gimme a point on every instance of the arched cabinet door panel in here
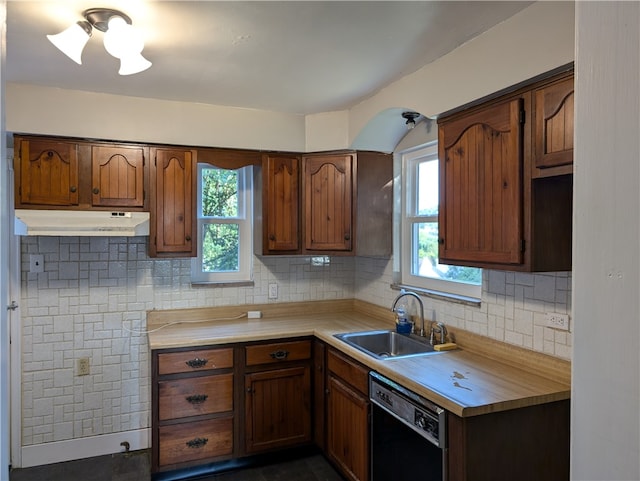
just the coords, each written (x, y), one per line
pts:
(553, 125)
(481, 162)
(172, 232)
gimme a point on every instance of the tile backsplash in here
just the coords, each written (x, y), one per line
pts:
(95, 291)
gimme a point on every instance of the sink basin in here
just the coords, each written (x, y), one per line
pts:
(387, 344)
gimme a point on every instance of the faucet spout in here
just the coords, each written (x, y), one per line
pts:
(417, 297)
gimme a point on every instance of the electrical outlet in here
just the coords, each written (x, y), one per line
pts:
(36, 263)
(273, 291)
(84, 366)
(558, 321)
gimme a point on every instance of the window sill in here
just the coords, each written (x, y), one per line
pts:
(441, 296)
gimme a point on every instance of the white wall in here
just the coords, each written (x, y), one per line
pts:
(104, 116)
(606, 364)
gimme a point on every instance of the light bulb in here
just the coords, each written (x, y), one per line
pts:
(71, 41)
(121, 39)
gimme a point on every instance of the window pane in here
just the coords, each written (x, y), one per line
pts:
(427, 187)
(425, 258)
(219, 192)
(220, 248)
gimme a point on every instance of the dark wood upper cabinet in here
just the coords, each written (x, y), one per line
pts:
(281, 204)
(506, 183)
(173, 214)
(481, 177)
(117, 176)
(347, 203)
(553, 125)
(46, 172)
(328, 191)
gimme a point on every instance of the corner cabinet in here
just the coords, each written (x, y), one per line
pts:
(173, 213)
(347, 201)
(506, 179)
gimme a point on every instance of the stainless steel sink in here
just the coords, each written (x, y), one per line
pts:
(387, 344)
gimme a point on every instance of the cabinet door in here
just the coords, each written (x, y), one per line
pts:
(173, 203)
(278, 408)
(480, 216)
(281, 194)
(553, 125)
(48, 173)
(117, 174)
(327, 202)
(348, 430)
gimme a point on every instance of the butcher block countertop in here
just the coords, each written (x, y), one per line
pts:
(480, 377)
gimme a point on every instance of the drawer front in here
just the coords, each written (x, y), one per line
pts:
(278, 352)
(180, 443)
(196, 360)
(353, 373)
(194, 396)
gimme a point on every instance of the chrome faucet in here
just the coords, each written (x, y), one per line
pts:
(439, 328)
(413, 294)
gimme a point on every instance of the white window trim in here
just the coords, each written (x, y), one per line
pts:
(245, 223)
(409, 159)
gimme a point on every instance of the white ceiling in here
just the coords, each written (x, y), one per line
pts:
(295, 57)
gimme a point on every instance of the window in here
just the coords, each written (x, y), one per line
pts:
(419, 231)
(224, 226)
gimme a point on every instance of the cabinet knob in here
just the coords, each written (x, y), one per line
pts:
(188, 238)
(272, 237)
(347, 237)
(249, 390)
(73, 188)
(440, 240)
(49, 153)
(96, 190)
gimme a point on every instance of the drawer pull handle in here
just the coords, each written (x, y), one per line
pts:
(197, 442)
(197, 398)
(280, 354)
(197, 363)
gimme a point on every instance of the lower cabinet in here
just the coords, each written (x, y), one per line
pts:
(192, 407)
(277, 395)
(347, 416)
(213, 404)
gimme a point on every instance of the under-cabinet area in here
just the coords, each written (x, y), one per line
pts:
(231, 389)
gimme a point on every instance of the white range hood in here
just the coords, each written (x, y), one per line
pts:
(81, 223)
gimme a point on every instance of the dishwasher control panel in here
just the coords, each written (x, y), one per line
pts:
(420, 414)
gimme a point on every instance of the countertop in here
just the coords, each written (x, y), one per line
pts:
(480, 377)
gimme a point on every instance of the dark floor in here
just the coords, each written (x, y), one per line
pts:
(135, 466)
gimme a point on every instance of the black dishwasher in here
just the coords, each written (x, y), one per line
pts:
(407, 434)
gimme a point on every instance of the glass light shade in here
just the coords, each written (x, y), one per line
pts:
(121, 39)
(71, 42)
(133, 64)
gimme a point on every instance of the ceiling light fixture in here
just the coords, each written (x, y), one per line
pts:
(411, 119)
(121, 39)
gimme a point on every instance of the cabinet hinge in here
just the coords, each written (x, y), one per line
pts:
(523, 245)
(522, 116)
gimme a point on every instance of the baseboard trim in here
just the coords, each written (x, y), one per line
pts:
(87, 447)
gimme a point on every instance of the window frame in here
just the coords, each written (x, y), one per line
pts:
(409, 218)
(244, 219)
